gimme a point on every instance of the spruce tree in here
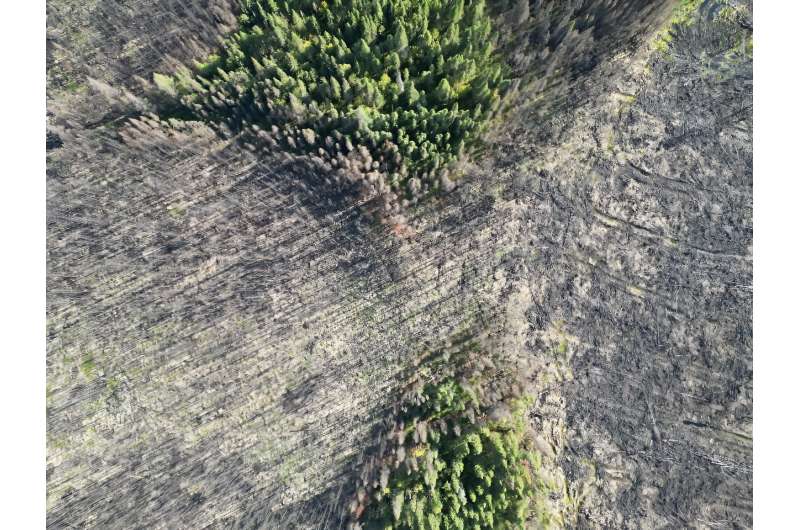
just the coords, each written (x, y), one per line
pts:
(414, 81)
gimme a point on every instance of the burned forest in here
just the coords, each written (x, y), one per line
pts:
(399, 264)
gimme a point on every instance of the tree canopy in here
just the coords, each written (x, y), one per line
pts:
(413, 81)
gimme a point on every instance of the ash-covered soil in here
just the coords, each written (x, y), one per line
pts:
(225, 332)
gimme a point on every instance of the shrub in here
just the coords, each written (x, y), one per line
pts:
(413, 81)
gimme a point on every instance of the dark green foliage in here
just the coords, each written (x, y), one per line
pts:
(413, 81)
(460, 455)
(468, 476)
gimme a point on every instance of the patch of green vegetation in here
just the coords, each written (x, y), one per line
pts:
(610, 140)
(737, 17)
(684, 11)
(74, 86)
(112, 384)
(57, 443)
(412, 81)
(87, 367)
(470, 476)
(462, 452)
(176, 211)
(682, 16)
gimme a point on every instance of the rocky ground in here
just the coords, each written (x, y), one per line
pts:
(225, 332)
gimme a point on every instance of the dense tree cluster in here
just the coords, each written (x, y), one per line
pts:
(458, 455)
(462, 476)
(412, 81)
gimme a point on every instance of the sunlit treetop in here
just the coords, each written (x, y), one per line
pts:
(414, 81)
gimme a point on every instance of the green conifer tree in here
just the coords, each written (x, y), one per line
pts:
(306, 64)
